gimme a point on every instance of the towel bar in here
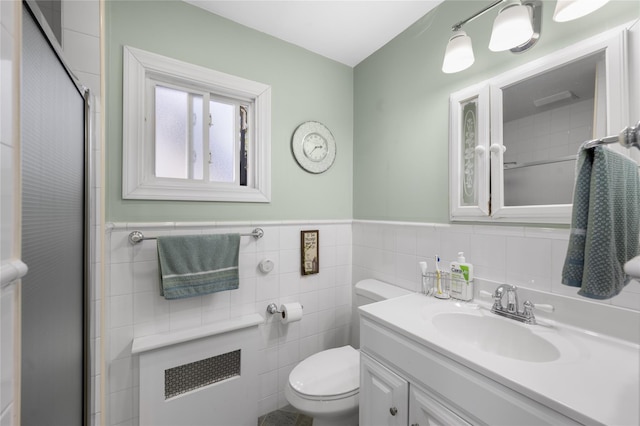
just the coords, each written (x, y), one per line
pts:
(628, 137)
(137, 236)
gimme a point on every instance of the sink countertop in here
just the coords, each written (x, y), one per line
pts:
(596, 379)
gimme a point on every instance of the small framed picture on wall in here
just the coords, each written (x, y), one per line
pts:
(310, 252)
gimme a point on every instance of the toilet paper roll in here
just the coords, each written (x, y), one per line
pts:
(291, 312)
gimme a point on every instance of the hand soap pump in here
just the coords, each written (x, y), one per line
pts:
(461, 279)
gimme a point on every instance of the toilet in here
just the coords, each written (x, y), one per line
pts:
(326, 385)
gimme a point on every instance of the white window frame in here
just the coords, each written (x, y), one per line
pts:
(138, 177)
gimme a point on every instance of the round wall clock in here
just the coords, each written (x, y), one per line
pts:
(313, 147)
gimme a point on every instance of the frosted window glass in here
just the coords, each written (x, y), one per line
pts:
(222, 142)
(172, 147)
(469, 142)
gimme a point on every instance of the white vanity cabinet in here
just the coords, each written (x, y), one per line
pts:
(388, 399)
(424, 387)
(425, 410)
(384, 396)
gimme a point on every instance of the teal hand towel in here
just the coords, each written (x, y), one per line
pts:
(605, 223)
(194, 265)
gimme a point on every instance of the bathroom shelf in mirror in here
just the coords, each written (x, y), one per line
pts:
(516, 165)
(629, 137)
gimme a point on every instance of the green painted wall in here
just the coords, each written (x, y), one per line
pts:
(305, 86)
(389, 115)
(402, 105)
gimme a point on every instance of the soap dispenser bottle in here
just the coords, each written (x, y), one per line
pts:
(461, 279)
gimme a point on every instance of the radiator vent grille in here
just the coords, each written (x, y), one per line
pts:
(198, 374)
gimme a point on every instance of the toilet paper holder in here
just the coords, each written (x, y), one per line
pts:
(273, 309)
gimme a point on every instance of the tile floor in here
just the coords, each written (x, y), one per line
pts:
(286, 416)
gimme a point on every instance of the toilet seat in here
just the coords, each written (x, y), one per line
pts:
(328, 408)
(325, 397)
(328, 375)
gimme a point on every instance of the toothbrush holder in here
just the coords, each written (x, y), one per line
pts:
(437, 284)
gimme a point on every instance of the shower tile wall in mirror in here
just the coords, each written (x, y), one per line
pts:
(546, 118)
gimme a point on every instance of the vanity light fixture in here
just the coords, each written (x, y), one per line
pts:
(459, 54)
(511, 28)
(568, 10)
(516, 28)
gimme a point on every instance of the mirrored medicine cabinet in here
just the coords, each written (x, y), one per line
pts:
(513, 139)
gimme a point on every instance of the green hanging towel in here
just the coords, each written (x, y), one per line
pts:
(194, 265)
(605, 223)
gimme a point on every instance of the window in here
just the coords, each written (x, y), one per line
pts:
(191, 133)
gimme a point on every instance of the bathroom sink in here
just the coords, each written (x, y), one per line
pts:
(496, 335)
(580, 373)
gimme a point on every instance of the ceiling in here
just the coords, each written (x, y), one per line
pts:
(345, 31)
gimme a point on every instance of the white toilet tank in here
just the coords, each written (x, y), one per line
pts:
(370, 291)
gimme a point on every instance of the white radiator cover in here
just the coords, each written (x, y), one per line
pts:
(231, 401)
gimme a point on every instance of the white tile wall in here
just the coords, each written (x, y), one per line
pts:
(136, 309)
(544, 136)
(81, 49)
(81, 40)
(555, 133)
(81, 16)
(8, 299)
(7, 331)
(7, 202)
(530, 258)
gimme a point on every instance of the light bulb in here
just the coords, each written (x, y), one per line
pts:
(511, 28)
(568, 10)
(459, 53)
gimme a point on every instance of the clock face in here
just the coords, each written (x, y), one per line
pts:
(313, 147)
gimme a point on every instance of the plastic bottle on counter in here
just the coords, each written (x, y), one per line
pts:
(461, 279)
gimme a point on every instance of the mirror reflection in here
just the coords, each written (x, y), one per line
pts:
(545, 120)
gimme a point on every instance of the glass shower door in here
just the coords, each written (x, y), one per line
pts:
(53, 236)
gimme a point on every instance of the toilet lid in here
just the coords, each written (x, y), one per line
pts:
(327, 373)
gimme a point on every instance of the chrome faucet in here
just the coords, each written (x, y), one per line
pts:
(512, 298)
(512, 309)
